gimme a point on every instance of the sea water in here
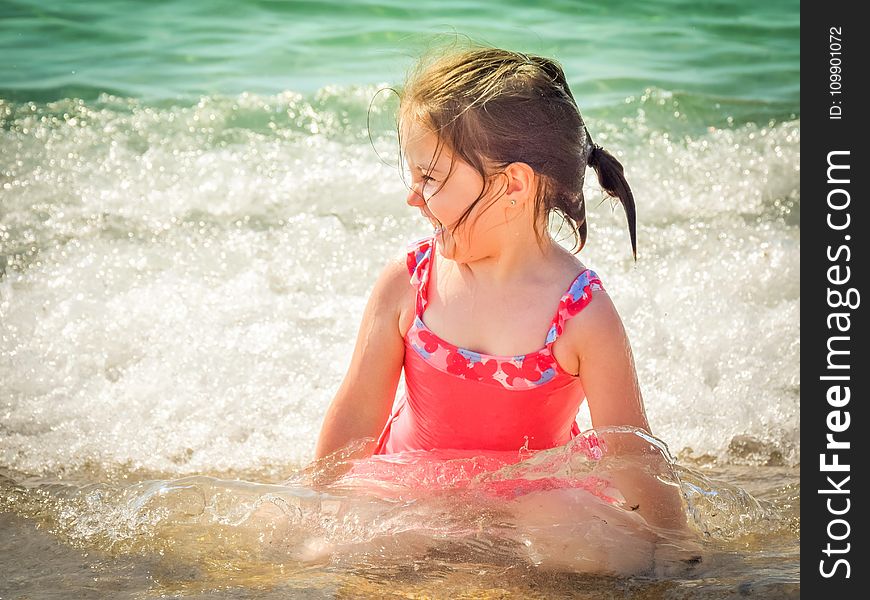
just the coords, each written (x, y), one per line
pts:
(195, 201)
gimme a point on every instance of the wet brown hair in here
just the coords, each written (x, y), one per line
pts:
(492, 107)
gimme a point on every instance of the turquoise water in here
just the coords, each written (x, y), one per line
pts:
(193, 212)
(738, 57)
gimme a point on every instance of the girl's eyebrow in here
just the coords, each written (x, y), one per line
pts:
(434, 169)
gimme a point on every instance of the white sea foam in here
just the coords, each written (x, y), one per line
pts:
(183, 286)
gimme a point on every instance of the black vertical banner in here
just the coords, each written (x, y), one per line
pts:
(834, 176)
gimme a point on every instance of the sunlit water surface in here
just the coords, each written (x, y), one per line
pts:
(184, 260)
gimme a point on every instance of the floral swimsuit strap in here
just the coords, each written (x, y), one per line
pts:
(513, 372)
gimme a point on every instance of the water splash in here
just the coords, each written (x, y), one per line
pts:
(555, 509)
(190, 289)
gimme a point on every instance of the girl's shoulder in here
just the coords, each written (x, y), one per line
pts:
(580, 308)
(593, 315)
(394, 287)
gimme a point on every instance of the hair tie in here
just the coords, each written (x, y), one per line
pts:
(590, 152)
(591, 146)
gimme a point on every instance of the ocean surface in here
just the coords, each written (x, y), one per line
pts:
(195, 201)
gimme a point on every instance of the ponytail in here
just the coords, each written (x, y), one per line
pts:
(494, 106)
(612, 180)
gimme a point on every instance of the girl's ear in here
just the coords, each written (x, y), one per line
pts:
(520, 181)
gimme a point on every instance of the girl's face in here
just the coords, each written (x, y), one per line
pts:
(442, 199)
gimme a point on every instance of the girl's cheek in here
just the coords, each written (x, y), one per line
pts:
(428, 189)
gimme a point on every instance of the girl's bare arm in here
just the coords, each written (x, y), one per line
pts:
(362, 403)
(610, 381)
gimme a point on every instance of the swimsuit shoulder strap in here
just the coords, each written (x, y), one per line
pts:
(419, 260)
(574, 300)
(579, 293)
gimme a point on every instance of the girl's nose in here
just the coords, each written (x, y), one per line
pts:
(415, 197)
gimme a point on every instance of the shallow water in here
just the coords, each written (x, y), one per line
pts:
(192, 214)
(443, 527)
(41, 563)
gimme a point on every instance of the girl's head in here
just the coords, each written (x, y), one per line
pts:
(504, 127)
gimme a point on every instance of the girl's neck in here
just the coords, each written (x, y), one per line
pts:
(509, 258)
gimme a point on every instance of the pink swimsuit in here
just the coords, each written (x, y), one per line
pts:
(459, 399)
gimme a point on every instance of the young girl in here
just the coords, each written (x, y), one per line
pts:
(501, 332)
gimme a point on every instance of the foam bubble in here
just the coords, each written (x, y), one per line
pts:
(182, 286)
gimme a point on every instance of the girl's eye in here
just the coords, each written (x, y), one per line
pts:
(409, 175)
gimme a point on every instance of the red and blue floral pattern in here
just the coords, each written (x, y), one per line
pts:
(512, 372)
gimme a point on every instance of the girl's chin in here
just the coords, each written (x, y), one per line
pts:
(447, 248)
(442, 241)
(439, 234)
(446, 244)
